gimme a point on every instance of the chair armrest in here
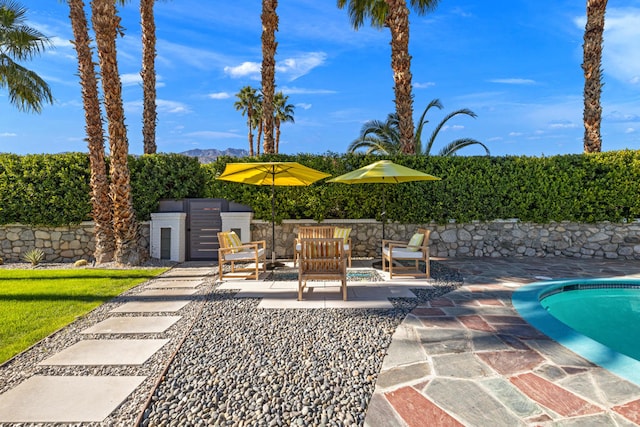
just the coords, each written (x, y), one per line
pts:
(406, 245)
(250, 246)
(262, 243)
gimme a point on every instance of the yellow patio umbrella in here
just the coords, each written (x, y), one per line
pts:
(271, 173)
(383, 172)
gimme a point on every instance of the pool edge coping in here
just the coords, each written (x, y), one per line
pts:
(526, 301)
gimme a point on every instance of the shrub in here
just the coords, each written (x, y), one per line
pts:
(34, 256)
(80, 263)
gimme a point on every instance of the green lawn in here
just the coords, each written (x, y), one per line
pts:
(35, 303)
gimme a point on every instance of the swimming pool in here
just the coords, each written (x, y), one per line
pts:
(594, 318)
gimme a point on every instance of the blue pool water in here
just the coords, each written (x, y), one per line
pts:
(599, 319)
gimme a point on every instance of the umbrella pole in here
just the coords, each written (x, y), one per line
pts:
(273, 264)
(273, 224)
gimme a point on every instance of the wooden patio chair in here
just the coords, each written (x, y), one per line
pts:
(320, 232)
(233, 251)
(416, 250)
(322, 259)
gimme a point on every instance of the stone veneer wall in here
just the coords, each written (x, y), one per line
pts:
(60, 244)
(480, 239)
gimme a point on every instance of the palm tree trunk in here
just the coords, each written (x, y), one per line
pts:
(277, 123)
(398, 22)
(592, 61)
(250, 125)
(148, 74)
(99, 182)
(258, 138)
(125, 227)
(269, 46)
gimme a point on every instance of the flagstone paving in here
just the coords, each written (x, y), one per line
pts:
(469, 359)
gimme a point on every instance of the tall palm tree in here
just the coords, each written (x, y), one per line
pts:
(106, 24)
(148, 75)
(19, 42)
(394, 14)
(269, 19)
(592, 67)
(283, 113)
(99, 182)
(378, 137)
(248, 100)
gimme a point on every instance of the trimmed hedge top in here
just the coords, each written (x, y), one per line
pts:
(54, 189)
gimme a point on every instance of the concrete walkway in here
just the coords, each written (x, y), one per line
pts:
(466, 358)
(92, 398)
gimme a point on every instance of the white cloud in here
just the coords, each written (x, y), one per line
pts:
(291, 90)
(130, 79)
(289, 68)
(304, 106)
(515, 133)
(163, 106)
(8, 134)
(299, 66)
(513, 81)
(629, 130)
(565, 124)
(246, 69)
(166, 106)
(423, 85)
(219, 95)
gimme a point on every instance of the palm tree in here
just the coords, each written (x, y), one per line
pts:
(283, 113)
(592, 67)
(395, 15)
(99, 183)
(148, 75)
(378, 137)
(106, 24)
(269, 19)
(19, 42)
(248, 100)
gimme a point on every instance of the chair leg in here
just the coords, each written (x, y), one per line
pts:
(344, 289)
(301, 288)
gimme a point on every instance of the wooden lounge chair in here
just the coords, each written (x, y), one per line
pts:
(320, 232)
(393, 250)
(322, 259)
(233, 251)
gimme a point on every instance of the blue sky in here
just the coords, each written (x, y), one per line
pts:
(515, 64)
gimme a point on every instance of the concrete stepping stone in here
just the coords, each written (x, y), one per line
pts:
(133, 325)
(168, 292)
(106, 352)
(150, 306)
(70, 399)
(174, 283)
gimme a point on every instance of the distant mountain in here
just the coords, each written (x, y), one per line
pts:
(211, 154)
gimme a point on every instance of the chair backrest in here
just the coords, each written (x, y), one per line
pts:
(322, 256)
(316, 232)
(426, 233)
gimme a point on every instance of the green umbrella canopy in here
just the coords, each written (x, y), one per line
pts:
(383, 171)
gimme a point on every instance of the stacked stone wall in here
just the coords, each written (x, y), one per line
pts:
(479, 239)
(59, 244)
(475, 239)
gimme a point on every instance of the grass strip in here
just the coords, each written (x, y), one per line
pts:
(36, 303)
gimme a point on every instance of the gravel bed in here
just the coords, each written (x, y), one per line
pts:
(242, 365)
(229, 362)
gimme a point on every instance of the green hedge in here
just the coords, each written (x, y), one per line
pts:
(582, 188)
(54, 189)
(45, 189)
